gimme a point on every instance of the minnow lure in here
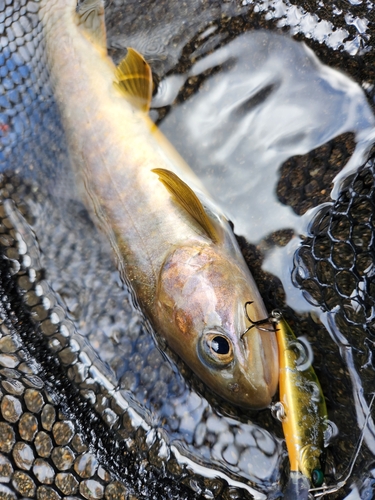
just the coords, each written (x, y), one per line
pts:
(173, 246)
(303, 411)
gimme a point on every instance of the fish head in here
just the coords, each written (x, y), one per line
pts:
(201, 312)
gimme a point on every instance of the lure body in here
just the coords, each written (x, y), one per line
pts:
(305, 418)
(172, 245)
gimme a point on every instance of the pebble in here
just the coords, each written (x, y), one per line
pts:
(63, 457)
(11, 408)
(90, 489)
(23, 455)
(47, 493)
(67, 483)
(43, 471)
(6, 470)
(23, 483)
(28, 426)
(63, 432)
(48, 417)
(7, 437)
(43, 444)
(34, 400)
(86, 465)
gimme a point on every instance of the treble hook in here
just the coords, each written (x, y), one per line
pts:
(324, 490)
(255, 323)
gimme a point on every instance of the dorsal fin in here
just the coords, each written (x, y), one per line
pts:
(188, 200)
(134, 80)
(90, 17)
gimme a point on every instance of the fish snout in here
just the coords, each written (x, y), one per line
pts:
(258, 369)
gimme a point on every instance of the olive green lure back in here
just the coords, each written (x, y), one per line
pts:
(304, 412)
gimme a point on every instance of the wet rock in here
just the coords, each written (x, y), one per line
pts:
(66, 483)
(63, 457)
(11, 409)
(34, 400)
(28, 426)
(23, 455)
(63, 432)
(90, 489)
(43, 471)
(6, 470)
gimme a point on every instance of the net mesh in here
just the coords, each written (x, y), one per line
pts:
(335, 264)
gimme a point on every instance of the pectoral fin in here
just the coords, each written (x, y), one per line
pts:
(134, 80)
(188, 200)
(90, 17)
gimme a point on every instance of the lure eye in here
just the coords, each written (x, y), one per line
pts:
(317, 477)
(216, 348)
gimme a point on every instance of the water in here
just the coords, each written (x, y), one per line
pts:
(271, 100)
(260, 99)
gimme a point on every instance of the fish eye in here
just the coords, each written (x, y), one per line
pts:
(317, 477)
(216, 348)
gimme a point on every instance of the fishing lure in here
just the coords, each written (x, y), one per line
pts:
(324, 490)
(302, 408)
(303, 413)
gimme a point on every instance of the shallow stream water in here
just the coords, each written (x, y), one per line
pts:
(266, 125)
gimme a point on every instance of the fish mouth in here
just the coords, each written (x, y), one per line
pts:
(270, 352)
(255, 378)
(270, 361)
(262, 367)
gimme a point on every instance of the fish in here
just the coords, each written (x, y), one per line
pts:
(173, 246)
(303, 411)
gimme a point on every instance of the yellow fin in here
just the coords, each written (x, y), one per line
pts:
(90, 17)
(134, 80)
(186, 198)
